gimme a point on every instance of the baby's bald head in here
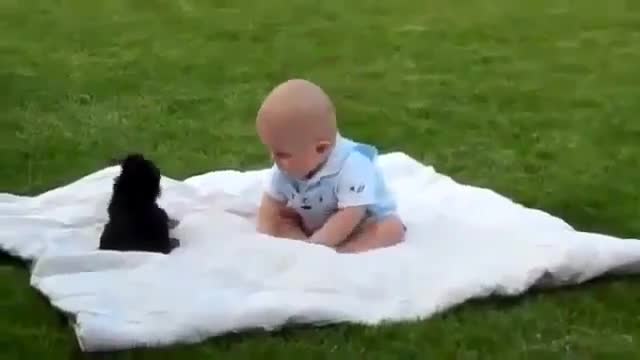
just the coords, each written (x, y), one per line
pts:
(300, 108)
(295, 116)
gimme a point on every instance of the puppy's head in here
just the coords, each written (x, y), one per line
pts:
(139, 179)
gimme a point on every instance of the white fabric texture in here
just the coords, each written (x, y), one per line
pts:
(463, 242)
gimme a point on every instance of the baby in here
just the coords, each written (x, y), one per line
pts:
(324, 188)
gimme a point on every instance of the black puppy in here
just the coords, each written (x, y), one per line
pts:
(136, 222)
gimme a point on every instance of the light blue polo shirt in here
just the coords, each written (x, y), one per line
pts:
(350, 177)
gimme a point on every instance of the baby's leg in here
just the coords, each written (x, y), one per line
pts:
(287, 228)
(373, 235)
(288, 225)
(275, 219)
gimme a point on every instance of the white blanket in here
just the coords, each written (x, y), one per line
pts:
(463, 242)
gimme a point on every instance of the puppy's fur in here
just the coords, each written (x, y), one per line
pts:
(136, 222)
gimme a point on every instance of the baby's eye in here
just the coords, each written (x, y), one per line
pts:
(279, 155)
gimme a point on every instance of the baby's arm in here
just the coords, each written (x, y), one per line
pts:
(355, 190)
(339, 226)
(274, 218)
(268, 215)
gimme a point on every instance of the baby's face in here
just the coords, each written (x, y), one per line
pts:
(296, 160)
(297, 126)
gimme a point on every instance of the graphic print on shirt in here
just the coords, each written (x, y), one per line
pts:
(305, 203)
(314, 200)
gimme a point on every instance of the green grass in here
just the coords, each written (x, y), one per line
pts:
(536, 99)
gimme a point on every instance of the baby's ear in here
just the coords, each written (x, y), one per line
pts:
(322, 147)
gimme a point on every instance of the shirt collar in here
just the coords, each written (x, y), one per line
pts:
(334, 162)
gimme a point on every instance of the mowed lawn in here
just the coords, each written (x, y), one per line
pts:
(536, 99)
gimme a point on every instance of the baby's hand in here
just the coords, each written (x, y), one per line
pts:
(339, 226)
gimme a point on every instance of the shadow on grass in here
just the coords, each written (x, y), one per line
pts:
(506, 302)
(8, 260)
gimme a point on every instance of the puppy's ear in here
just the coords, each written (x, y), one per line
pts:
(115, 161)
(134, 156)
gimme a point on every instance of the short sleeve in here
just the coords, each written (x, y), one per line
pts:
(356, 182)
(276, 184)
